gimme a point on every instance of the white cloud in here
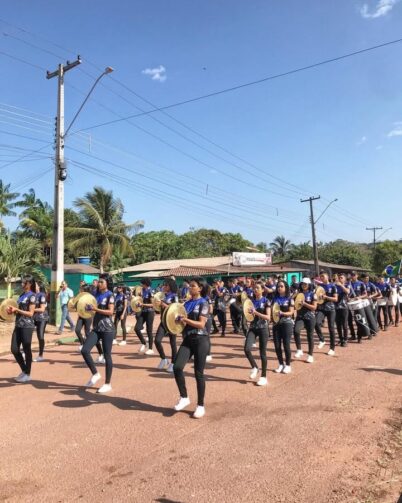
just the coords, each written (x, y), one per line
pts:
(381, 9)
(397, 131)
(158, 73)
(362, 140)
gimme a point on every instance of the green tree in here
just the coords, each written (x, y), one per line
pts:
(302, 251)
(344, 252)
(210, 243)
(7, 202)
(385, 253)
(37, 223)
(102, 226)
(280, 247)
(18, 257)
(29, 201)
(155, 245)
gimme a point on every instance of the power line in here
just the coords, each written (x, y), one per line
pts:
(252, 83)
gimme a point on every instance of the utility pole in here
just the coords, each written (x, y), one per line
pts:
(57, 273)
(315, 249)
(374, 229)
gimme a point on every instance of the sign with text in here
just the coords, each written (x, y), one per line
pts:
(240, 259)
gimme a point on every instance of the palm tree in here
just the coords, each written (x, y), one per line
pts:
(29, 201)
(37, 223)
(280, 246)
(102, 226)
(6, 201)
(18, 257)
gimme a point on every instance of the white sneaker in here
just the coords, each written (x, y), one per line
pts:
(23, 378)
(163, 363)
(279, 369)
(39, 359)
(287, 369)
(101, 359)
(310, 359)
(262, 381)
(105, 388)
(19, 376)
(149, 352)
(321, 344)
(79, 349)
(94, 379)
(298, 353)
(209, 358)
(122, 343)
(142, 349)
(331, 352)
(170, 368)
(199, 412)
(182, 403)
(254, 373)
(114, 342)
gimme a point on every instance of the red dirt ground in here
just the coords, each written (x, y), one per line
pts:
(314, 436)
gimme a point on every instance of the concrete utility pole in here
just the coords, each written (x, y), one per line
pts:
(374, 229)
(57, 274)
(315, 249)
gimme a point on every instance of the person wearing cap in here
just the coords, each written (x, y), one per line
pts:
(306, 318)
(327, 310)
(341, 309)
(357, 291)
(385, 292)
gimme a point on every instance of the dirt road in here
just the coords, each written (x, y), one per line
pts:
(315, 435)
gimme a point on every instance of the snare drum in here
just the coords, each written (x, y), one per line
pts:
(366, 303)
(356, 305)
(381, 302)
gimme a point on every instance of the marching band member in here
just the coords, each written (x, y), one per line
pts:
(306, 318)
(294, 285)
(357, 291)
(102, 330)
(327, 310)
(393, 301)
(385, 291)
(208, 326)
(121, 304)
(283, 329)
(24, 327)
(195, 342)
(87, 323)
(341, 309)
(146, 316)
(169, 288)
(184, 291)
(259, 328)
(41, 317)
(371, 311)
(234, 308)
(219, 294)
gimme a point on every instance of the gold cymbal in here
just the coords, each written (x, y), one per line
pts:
(276, 309)
(172, 312)
(163, 319)
(243, 296)
(135, 301)
(85, 300)
(247, 305)
(156, 301)
(299, 299)
(9, 318)
(320, 292)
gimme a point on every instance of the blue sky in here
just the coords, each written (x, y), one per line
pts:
(333, 131)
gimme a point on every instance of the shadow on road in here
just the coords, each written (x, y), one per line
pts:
(397, 372)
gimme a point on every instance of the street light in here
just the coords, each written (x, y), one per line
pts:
(57, 273)
(328, 205)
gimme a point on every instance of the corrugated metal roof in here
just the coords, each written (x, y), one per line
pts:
(185, 271)
(325, 264)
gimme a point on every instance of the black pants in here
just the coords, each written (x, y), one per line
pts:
(262, 334)
(384, 310)
(308, 324)
(196, 345)
(146, 317)
(235, 315)
(351, 324)
(395, 309)
(330, 315)
(341, 319)
(107, 343)
(208, 328)
(86, 323)
(118, 318)
(282, 332)
(22, 337)
(222, 320)
(40, 332)
(160, 334)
